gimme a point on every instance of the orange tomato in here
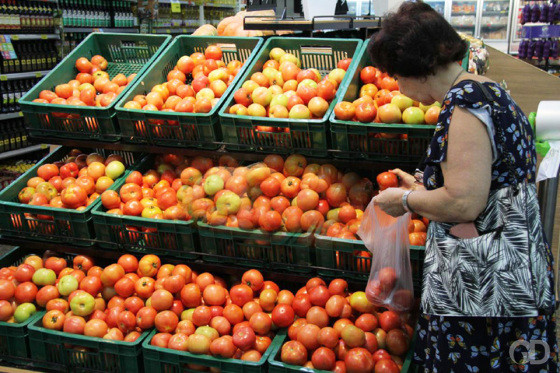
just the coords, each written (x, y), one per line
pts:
(155, 99)
(120, 79)
(83, 65)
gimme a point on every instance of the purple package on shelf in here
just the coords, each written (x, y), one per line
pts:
(554, 49)
(531, 49)
(535, 13)
(551, 12)
(526, 14)
(522, 50)
(539, 49)
(546, 49)
(544, 13)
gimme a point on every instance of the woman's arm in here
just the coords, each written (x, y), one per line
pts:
(467, 174)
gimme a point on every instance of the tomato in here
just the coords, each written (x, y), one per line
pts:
(307, 335)
(397, 342)
(214, 295)
(319, 295)
(7, 289)
(323, 359)
(161, 300)
(389, 320)
(191, 296)
(417, 238)
(145, 317)
(261, 323)
(241, 294)
(381, 354)
(293, 352)
(254, 279)
(53, 320)
(386, 366)
(149, 265)
(201, 316)
(387, 180)
(244, 338)
(91, 285)
(47, 171)
(359, 360)
(130, 191)
(83, 65)
(111, 274)
(82, 262)
(166, 321)
(328, 337)
(24, 292)
(23, 273)
(301, 305)
(144, 287)
(128, 262)
(73, 196)
(368, 74)
(283, 315)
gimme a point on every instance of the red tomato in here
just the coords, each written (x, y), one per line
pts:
(387, 180)
(293, 352)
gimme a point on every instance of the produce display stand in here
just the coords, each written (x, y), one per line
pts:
(125, 53)
(199, 130)
(308, 137)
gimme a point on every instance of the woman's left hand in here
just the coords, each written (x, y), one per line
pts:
(390, 201)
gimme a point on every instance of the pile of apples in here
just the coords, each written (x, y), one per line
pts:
(237, 322)
(92, 86)
(74, 183)
(284, 90)
(208, 77)
(380, 101)
(341, 332)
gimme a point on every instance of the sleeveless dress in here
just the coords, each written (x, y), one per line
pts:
(467, 325)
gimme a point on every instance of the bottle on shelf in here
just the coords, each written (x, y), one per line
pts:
(25, 16)
(32, 55)
(12, 91)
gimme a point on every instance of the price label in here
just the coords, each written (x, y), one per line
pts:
(44, 146)
(15, 37)
(3, 78)
(175, 6)
(38, 75)
(44, 37)
(20, 113)
(168, 31)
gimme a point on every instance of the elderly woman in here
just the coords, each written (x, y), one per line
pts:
(488, 279)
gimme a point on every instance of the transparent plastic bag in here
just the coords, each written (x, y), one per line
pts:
(390, 277)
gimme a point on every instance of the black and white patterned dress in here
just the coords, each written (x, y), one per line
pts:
(480, 295)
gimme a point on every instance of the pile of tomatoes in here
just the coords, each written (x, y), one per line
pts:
(92, 86)
(380, 101)
(74, 183)
(342, 332)
(195, 85)
(284, 90)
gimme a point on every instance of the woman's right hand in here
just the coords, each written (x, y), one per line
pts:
(406, 180)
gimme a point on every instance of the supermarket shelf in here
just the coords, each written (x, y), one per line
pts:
(174, 31)
(317, 23)
(493, 13)
(26, 150)
(493, 27)
(457, 14)
(30, 74)
(10, 115)
(221, 5)
(125, 30)
(182, 2)
(33, 36)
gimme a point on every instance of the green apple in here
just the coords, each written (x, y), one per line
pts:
(82, 304)
(228, 203)
(207, 331)
(67, 284)
(114, 169)
(213, 184)
(276, 53)
(413, 115)
(44, 276)
(402, 102)
(280, 99)
(24, 311)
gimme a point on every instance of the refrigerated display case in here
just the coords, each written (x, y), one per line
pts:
(463, 16)
(438, 5)
(494, 23)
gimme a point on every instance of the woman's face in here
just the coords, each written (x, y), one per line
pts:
(415, 88)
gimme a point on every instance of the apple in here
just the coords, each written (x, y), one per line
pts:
(256, 110)
(280, 99)
(413, 115)
(24, 311)
(300, 111)
(213, 184)
(44, 276)
(205, 93)
(389, 113)
(67, 284)
(337, 75)
(82, 304)
(278, 111)
(114, 169)
(276, 54)
(228, 203)
(262, 96)
(318, 106)
(402, 101)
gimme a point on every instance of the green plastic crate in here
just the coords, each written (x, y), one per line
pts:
(165, 237)
(307, 137)
(14, 341)
(78, 353)
(126, 53)
(275, 365)
(337, 257)
(197, 130)
(255, 248)
(165, 360)
(375, 141)
(56, 224)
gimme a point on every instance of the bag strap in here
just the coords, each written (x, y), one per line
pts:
(496, 108)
